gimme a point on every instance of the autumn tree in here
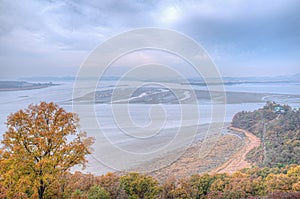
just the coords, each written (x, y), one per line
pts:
(239, 186)
(97, 192)
(140, 186)
(42, 143)
(201, 184)
(168, 188)
(295, 173)
(280, 182)
(111, 183)
(78, 194)
(177, 188)
(220, 182)
(77, 181)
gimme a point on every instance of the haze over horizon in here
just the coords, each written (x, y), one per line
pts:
(53, 38)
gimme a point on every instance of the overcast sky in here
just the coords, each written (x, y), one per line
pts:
(244, 38)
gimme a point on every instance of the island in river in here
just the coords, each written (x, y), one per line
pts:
(22, 85)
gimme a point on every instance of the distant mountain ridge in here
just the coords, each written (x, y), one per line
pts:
(226, 80)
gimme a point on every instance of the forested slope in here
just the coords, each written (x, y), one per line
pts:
(279, 132)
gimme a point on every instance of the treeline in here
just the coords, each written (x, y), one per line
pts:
(248, 183)
(279, 133)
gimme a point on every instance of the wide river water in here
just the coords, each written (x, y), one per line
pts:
(11, 101)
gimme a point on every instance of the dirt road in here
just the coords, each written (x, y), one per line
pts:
(238, 160)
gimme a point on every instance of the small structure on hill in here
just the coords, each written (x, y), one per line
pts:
(279, 109)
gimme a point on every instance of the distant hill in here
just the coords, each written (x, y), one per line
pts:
(48, 79)
(192, 80)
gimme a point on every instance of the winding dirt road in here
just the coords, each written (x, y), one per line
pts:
(238, 160)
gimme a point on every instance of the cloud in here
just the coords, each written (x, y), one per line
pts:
(237, 32)
(234, 32)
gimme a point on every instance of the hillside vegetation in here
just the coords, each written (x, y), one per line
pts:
(248, 183)
(279, 133)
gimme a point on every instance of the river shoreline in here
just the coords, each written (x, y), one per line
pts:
(195, 159)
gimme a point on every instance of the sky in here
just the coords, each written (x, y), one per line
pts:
(243, 38)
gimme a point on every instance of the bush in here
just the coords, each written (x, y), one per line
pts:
(78, 194)
(97, 192)
(140, 186)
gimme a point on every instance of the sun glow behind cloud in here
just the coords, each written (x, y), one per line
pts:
(170, 15)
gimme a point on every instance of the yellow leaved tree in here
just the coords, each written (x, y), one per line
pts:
(41, 144)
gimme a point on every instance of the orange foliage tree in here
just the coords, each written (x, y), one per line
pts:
(41, 144)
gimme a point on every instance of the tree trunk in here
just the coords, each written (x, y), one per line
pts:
(41, 190)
